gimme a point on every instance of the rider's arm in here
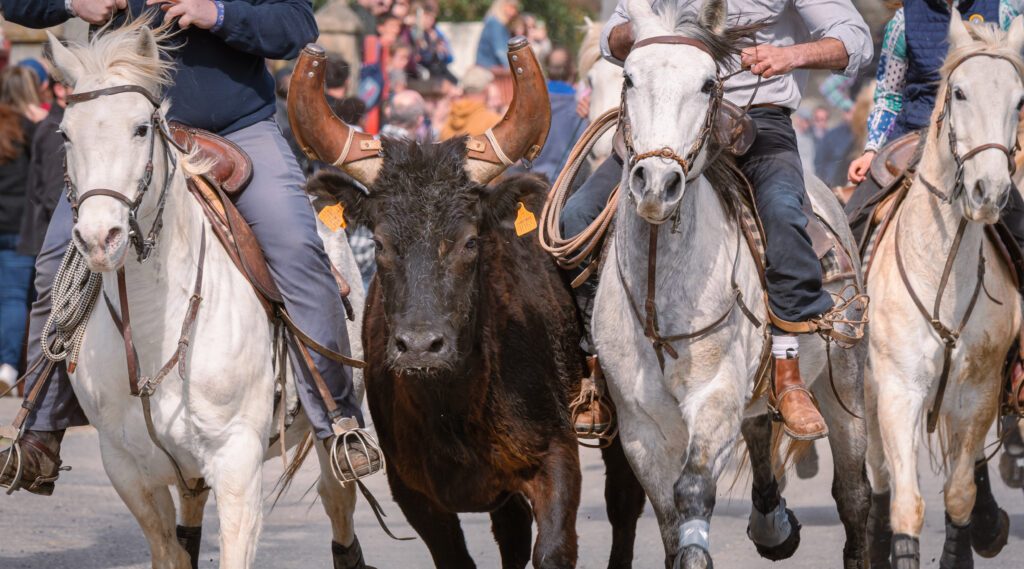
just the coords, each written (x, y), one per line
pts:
(275, 30)
(617, 35)
(1008, 10)
(891, 78)
(35, 13)
(843, 39)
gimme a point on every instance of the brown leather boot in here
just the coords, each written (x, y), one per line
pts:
(790, 398)
(39, 462)
(593, 413)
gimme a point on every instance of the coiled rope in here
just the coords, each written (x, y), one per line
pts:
(72, 298)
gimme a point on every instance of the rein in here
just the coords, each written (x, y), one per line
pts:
(143, 245)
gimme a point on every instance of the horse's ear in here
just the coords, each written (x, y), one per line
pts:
(332, 183)
(1016, 36)
(959, 36)
(146, 45)
(713, 14)
(69, 68)
(645, 22)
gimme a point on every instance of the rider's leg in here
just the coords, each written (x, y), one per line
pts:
(282, 219)
(56, 408)
(1013, 218)
(795, 290)
(590, 416)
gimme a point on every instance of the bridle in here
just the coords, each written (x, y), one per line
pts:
(961, 160)
(685, 162)
(158, 126)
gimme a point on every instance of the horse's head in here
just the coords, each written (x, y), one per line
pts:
(976, 118)
(671, 91)
(432, 215)
(110, 135)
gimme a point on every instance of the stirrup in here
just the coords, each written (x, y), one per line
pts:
(347, 432)
(589, 396)
(14, 435)
(834, 325)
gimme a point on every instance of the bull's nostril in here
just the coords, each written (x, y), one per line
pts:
(400, 346)
(436, 346)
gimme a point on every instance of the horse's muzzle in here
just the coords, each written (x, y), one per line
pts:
(657, 188)
(104, 247)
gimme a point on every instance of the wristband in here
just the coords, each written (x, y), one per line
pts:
(220, 15)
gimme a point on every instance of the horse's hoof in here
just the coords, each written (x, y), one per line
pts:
(879, 532)
(350, 557)
(1011, 469)
(988, 535)
(693, 557)
(787, 548)
(956, 550)
(906, 552)
(190, 539)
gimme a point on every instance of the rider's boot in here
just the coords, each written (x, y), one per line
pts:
(793, 403)
(39, 462)
(592, 412)
(354, 452)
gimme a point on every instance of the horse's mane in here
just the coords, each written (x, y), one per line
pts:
(590, 49)
(113, 51)
(988, 39)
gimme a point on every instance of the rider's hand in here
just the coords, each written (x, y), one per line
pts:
(769, 60)
(198, 13)
(859, 167)
(583, 106)
(97, 12)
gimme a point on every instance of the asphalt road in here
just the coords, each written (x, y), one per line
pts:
(85, 525)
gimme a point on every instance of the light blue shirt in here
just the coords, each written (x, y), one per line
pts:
(790, 22)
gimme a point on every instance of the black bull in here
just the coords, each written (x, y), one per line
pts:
(472, 345)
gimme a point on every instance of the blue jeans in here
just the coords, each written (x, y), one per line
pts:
(283, 221)
(15, 287)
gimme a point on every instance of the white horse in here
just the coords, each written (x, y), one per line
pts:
(678, 424)
(972, 130)
(605, 82)
(215, 421)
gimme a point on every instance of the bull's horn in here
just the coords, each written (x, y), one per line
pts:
(319, 132)
(524, 128)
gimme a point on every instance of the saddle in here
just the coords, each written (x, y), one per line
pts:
(894, 159)
(231, 167)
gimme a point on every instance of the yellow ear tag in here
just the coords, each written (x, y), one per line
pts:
(525, 221)
(333, 217)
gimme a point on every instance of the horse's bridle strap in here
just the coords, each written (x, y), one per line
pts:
(105, 193)
(672, 40)
(92, 95)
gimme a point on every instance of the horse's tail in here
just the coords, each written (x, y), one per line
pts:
(786, 451)
(302, 451)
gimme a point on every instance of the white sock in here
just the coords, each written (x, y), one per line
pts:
(785, 346)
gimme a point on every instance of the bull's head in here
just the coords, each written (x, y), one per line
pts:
(436, 223)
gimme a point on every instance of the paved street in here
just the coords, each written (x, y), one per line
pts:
(85, 525)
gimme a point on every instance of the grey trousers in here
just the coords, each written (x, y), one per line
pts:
(283, 220)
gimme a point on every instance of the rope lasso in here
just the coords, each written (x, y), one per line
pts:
(72, 297)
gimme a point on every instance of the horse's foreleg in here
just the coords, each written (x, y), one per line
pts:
(340, 504)
(899, 406)
(151, 505)
(713, 419)
(512, 525)
(190, 526)
(234, 471)
(554, 494)
(879, 527)
(624, 501)
(990, 524)
(773, 528)
(848, 439)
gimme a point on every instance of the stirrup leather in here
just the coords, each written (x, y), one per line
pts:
(835, 325)
(349, 436)
(591, 395)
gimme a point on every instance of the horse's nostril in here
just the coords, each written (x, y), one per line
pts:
(673, 185)
(637, 180)
(113, 237)
(78, 237)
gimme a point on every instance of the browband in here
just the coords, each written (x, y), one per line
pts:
(91, 95)
(673, 40)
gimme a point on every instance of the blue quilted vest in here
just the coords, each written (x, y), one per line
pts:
(927, 25)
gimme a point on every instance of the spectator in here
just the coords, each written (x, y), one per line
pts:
(469, 114)
(19, 90)
(566, 124)
(15, 269)
(406, 115)
(374, 80)
(42, 80)
(46, 173)
(432, 50)
(537, 34)
(493, 46)
(368, 11)
(352, 110)
(804, 138)
(336, 76)
(831, 157)
(401, 10)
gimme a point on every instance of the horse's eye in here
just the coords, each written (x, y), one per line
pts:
(628, 80)
(708, 86)
(471, 243)
(959, 94)
(64, 135)
(142, 130)
(1020, 105)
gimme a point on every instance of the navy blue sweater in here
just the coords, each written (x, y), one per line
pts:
(221, 82)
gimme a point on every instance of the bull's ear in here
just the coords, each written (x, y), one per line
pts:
(332, 183)
(501, 202)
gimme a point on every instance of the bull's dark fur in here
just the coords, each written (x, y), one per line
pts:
(490, 426)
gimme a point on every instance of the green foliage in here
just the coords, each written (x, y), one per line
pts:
(563, 17)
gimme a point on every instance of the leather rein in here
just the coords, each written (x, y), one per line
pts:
(951, 336)
(158, 126)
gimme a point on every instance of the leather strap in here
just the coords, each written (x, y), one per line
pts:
(672, 40)
(92, 95)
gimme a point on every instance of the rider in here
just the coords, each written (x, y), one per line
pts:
(913, 49)
(221, 85)
(797, 35)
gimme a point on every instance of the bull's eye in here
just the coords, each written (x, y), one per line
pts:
(378, 247)
(141, 130)
(959, 94)
(471, 244)
(708, 86)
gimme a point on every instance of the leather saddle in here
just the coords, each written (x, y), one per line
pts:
(894, 159)
(231, 167)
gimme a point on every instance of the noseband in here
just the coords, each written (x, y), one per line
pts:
(961, 160)
(685, 162)
(143, 246)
